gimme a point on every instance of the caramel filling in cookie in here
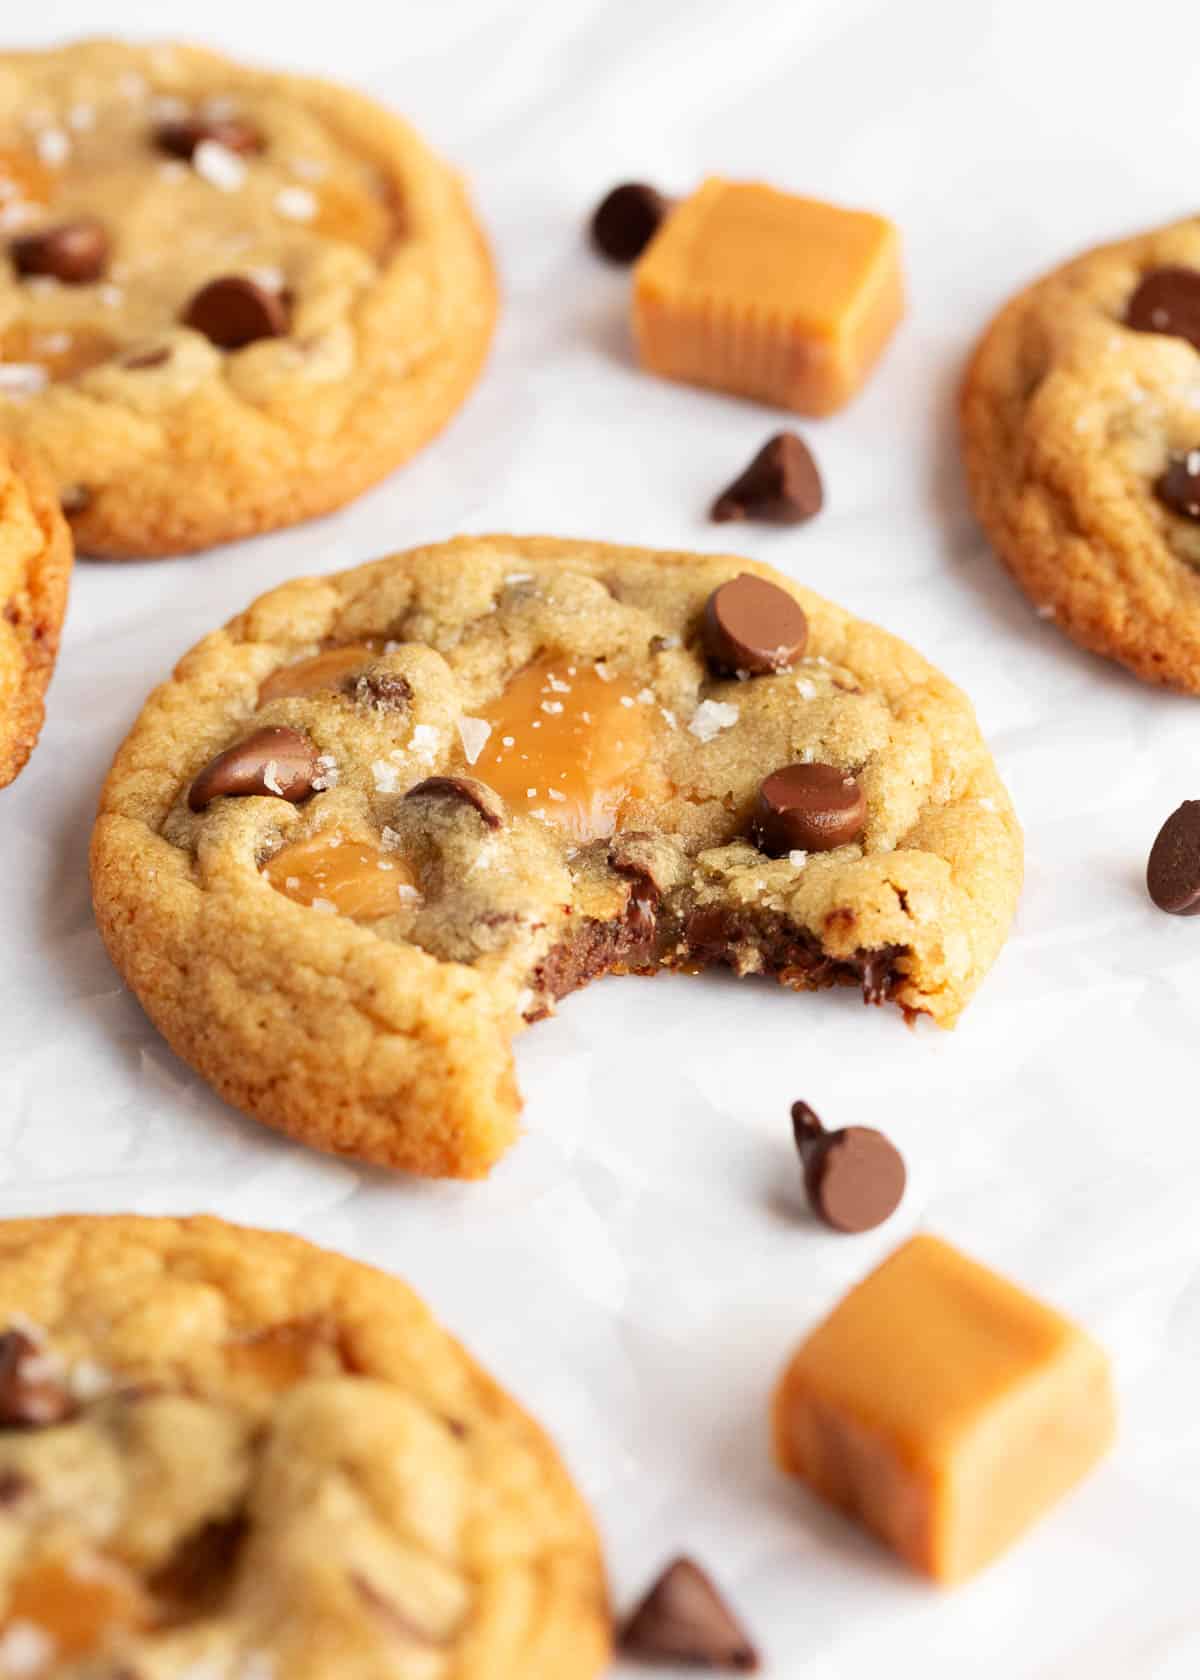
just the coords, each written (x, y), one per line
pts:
(347, 877)
(568, 743)
(76, 1604)
(55, 354)
(324, 670)
(24, 181)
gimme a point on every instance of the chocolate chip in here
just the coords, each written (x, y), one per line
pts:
(384, 691)
(234, 311)
(781, 485)
(14, 1486)
(1173, 872)
(180, 139)
(1179, 486)
(684, 1619)
(808, 808)
(626, 220)
(753, 625)
(854, 1177)
(73, 252)
(32, 1393)
(277, 761)
(195, 1578)
(465, 789)
(1167, 301)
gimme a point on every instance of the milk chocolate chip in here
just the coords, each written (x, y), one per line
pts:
(180, 139)
(684, 1619)
(1173, 872)
(271, 761)
(73, 252)
(1179, 486)
(781, 485)
(854, 1177)
(808, 808)
(626, 220)
(466, 790)
(1167, 301)
(32, 1393)
(234, 311)
(752, 625)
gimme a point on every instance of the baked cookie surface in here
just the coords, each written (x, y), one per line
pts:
(1081, 406)
(226, 1452)
(450, 786)
(229, 299)
(35, 572)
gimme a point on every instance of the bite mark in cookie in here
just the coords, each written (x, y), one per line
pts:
(524, 764)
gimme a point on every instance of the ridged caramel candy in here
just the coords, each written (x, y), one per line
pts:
(944, 1408)
(768, 295)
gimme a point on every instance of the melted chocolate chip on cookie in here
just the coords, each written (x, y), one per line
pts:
(281, 762)
(1167, 301)
(808, 808)
(1178, 487)
(234, 311)
(752, 625)
(73, 253)
(180, 138)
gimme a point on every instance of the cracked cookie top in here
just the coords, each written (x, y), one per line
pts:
(1081, 439)
(193, 253)
(386, 817)
(226, 1453)
(35, 569)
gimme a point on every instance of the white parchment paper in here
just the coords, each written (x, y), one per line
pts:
(638, 1269)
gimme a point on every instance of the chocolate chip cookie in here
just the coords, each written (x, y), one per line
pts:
(229, 299)
(224, 1452)
(35, 570)
(386, 818)
(1081, 438)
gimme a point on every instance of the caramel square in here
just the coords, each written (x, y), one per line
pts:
(944, 1408)
(767, 295)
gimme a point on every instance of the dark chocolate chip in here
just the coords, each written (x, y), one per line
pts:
(1179, 486)
(234, 311)
(684, 1619)
(75, 498)
(626, 220)
(752, 625)
(854, 1177)
(384, 691)
(32, 1393)
(14, 1486)
(196, 1577)
(1173, 872)
(279, 761)
(73, 252)
(808, 808)
(180, 139)
(781, 485)
(1167, 301)
(466, 790)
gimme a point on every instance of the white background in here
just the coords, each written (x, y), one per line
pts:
(639, 1267)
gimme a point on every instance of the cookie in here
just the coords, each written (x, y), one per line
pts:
(226, 1452)
(229, 299)
(386, 818)
(35, 571)
(1080, 420)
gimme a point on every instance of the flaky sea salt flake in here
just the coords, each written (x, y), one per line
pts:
(298, 204)
(473, 732)
(217, 165)
(711, 717)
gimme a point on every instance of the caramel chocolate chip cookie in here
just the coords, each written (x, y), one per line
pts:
(35, 570)
(386, 818)
(1081, 437)
(229, 299)
(226, 1452)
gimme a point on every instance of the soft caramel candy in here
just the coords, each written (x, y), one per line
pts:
(60, 354)
(323, 670)
(78, 1603)
(351, 877)
(766, 295)
(567, 744)
(944, 1408)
